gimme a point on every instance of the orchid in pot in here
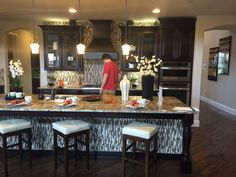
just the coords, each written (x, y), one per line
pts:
(148, 68)
(16, 73)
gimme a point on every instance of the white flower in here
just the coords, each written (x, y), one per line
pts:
(148, 66)
(15, 68)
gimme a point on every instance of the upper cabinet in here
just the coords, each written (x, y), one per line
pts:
(172, 41)
(143, 43)
(177, 39)
(60, 48)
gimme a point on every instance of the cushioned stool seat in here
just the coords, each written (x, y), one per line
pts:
(143, 133)
(15, 127)
(70, 129)
(138, 129)
(70, 126)
(11, 125)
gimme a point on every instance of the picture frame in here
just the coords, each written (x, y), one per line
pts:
(213, 63)
(224, 55)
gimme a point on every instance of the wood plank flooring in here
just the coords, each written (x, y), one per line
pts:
(213, 151)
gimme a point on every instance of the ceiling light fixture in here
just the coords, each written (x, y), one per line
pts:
(156, 11)
(80, 47)
(125, 46)
(72, 10)
(34, 45)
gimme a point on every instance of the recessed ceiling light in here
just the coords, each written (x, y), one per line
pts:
(72, 10)
(156, 11)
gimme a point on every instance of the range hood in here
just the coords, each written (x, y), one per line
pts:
(101, 42)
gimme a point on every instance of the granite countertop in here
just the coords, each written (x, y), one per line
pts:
(117, 106)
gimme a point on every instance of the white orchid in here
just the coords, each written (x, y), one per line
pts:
(16, 71)
(148, 66)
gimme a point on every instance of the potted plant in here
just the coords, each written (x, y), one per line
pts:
(133, 79)
(51, 80)
(148, 67)
(16, 73)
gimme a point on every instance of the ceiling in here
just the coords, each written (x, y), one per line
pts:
(47, 10)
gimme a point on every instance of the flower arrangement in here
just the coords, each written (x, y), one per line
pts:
(148, 66)
(16, 71)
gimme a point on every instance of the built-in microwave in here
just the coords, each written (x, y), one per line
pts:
(175, 71)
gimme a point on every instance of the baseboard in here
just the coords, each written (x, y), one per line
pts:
(219, 105)
(196, 123)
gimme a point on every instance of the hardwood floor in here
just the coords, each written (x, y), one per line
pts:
(213, 151)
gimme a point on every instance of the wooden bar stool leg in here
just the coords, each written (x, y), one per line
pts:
(30, 147)
(155, 147)
(134, 149)
(146, 163)
(123, 155)
(4, 148)
(20, 145)
(55, 148)
(66, 155)
(76, 147)
(87, 149)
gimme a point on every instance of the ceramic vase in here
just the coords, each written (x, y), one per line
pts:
(124, 87)
(147, 86)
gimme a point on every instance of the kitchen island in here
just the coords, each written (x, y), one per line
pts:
(106, 121)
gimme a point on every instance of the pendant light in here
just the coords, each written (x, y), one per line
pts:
(34, 46)
(126, 47)
(80, 47)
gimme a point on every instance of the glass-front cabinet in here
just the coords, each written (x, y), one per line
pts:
(52, 52)
(60, 48)
(70, 57)
(143, 43)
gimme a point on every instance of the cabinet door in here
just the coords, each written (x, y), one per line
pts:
(185, 38)
(129, 63)
(52, 54)
(148, 44)
(70, 57)
(169, 43)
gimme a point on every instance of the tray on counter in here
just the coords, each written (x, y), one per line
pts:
(92, 98)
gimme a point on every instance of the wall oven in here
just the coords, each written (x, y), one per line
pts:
(175, 79)
(180, 91)
(173, 71)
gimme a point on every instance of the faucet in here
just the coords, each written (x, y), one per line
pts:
(53, 93)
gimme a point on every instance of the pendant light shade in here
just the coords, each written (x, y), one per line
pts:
(125, 47)
(80, 48)
(34, 46)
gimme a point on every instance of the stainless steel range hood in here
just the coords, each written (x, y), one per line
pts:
(101, 42)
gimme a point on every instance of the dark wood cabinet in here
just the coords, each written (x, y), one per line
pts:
(60, 48)
(177, 39)
(143, 43)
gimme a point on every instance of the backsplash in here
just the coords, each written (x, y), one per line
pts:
(91, 74)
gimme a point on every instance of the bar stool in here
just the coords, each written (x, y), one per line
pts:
(142, 133)
(70, 129)
(15, 127)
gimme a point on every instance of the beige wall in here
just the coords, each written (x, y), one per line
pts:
(203, 24)
(223, 90)
(24, 33)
